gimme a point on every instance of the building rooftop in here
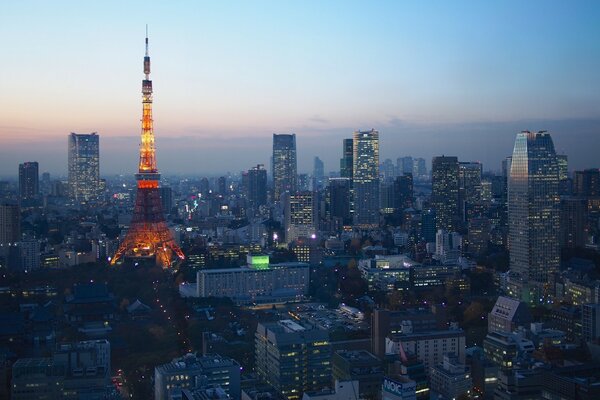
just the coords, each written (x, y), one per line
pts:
(191, 361)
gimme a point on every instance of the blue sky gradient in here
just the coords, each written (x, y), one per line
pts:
(434, 77)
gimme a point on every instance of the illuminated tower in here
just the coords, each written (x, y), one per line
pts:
(148, 234)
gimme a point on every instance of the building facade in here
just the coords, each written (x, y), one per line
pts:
(365, 179)
(84, 167)
(444, 192)
(285, 167)
(292, 358)
(29, 181)
(533, 214)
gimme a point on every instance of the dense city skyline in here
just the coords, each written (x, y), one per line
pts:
(461, 80)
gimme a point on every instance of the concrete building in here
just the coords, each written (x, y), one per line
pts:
(75, 371)
(300, 215)
(429, 347)
(507, 315)
(503, 349)
(590, 322)
(361, 366)
(192, 371)
(292, 358)
(451, 379)
(342, 390)
(385, 323)
(259, 281)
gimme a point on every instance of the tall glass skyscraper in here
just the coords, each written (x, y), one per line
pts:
(346, 162)
(285, 167)
(29, 181)
(533, 214)
(84, 167)
(365, 179)
(444, 192)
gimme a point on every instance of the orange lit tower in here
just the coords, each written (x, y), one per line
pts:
(148, 235)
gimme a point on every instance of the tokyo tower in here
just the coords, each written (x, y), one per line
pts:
(148, 236)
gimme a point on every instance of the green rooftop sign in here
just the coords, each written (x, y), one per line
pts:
(258, 262)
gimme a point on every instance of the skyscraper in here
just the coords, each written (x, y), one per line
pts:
(29, 181)
(469, 186)
(444, 193)
(338, 200)
(403, 192)
(10, 223)
(84, 167)
(318, 174)
(257, 186)
(300, 215)
(365, 179)
(285, 167)
(533, 214)
(346, 163)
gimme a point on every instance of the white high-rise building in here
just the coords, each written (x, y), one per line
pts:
(84, 167)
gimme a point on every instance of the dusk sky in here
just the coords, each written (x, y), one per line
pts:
(447, 77)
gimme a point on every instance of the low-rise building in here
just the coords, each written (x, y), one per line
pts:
(258, 282)
(429, 347)
(361, 366)
(451, 379)
(192, 371)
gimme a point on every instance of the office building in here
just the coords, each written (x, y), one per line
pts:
(420, 168)
(448, 246)
(191, 371)
(533, 213)
(587, 183)
(338, 200)
(342, 390)
(285, 168)
(365, 179)
(479, 235)
(504, 349)
(318, 174)
(444, 192)
(75, 371)
(385, 323)
(347, 160)
(29, 183)
(469, 187)
(300, 215)
(403, 192)
(507, 315)
(292, 358)
(428, 223)
(590, 322)
(10, 223)
(573, 222)
(429, 347)
(258, 282)
(451, 379)
(361, 366)
(84, 167)
(257, 186)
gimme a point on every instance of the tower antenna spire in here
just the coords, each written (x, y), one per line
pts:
(146, 40)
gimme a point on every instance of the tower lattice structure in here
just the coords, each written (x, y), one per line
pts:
(148, 234)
